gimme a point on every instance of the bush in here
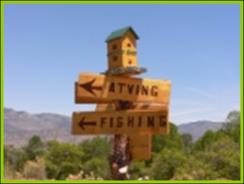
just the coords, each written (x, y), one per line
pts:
(166, 163)
(15, 158)
(172, 140)
(34, 148)
(35, 169)
(223, 156)
(63, 159)
(99, 167)
(194, 169)
(138, 169)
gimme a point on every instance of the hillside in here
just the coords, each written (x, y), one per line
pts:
(20, 126)
(198, 128)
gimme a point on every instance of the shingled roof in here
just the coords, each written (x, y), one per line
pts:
(121, 32)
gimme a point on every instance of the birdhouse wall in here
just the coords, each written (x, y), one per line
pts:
(129, 38)
(129, 47)
(122, 51)
(115, 61)
(114, 45)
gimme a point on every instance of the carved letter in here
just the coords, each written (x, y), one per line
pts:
(119, 122)
(150, 121)
(121, 85)
(162, 120)
(144, 90)
(130, 121)
(111, 87)
(130, 88)
(154, 91)
(102, 121)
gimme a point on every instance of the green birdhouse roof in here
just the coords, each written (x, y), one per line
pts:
(121, 32)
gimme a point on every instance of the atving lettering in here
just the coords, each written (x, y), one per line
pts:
(132, 89)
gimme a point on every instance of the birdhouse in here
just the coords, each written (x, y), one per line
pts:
(121, 47)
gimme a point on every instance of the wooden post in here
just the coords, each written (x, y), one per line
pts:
(121, 156)
(111, 89)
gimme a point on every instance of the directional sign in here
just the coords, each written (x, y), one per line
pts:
(134, 106)
(140, 146)
(93, 88)
(118, 122)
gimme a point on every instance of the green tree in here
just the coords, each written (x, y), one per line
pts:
(15, 158)
(165, 164)
(172, 140)
(187, 142)
(63, 159)
(34, 148)
(95, 148)
(194, 169)
(98, 166)
(223, 155)
(209, 137)
(138, 169)
(232, 125)
(95, 157)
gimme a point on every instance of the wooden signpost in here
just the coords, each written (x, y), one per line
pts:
(126, 122)
(92, 88)
(133, 109)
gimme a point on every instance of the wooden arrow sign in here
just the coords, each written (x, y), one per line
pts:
(127, 122)
(93, 88)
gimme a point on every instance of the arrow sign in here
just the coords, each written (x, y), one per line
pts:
(118, 122)
(82, 123)
(88, 86)
(93, 88)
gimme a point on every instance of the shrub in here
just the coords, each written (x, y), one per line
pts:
(35, 169)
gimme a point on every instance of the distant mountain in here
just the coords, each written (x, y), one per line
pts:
(198, 128)
(19, 126)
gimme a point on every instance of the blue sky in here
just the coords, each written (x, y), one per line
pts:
(194, 46)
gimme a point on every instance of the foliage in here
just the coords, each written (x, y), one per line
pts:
(187, 142)
(232, 126)
(216, 155)
(99, 167)
(194, 169)
(138, 169)
(34, 148)
(223, 156)
(172, 140)
(165, 164)
(97, 147)
(35, 169)
(63, 159)
(15, 158)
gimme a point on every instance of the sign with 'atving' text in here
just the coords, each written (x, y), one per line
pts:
(93, 88)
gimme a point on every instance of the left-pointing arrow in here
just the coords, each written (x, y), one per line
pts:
(82, 123)
(89, 86)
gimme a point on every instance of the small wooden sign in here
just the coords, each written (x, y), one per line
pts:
(140, 146)
(127, 122)
(93, 88)
(141, 152)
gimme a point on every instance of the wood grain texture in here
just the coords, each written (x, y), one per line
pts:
(120, 122)
(93, 88)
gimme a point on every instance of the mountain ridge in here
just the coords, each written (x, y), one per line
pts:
(20, 126)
